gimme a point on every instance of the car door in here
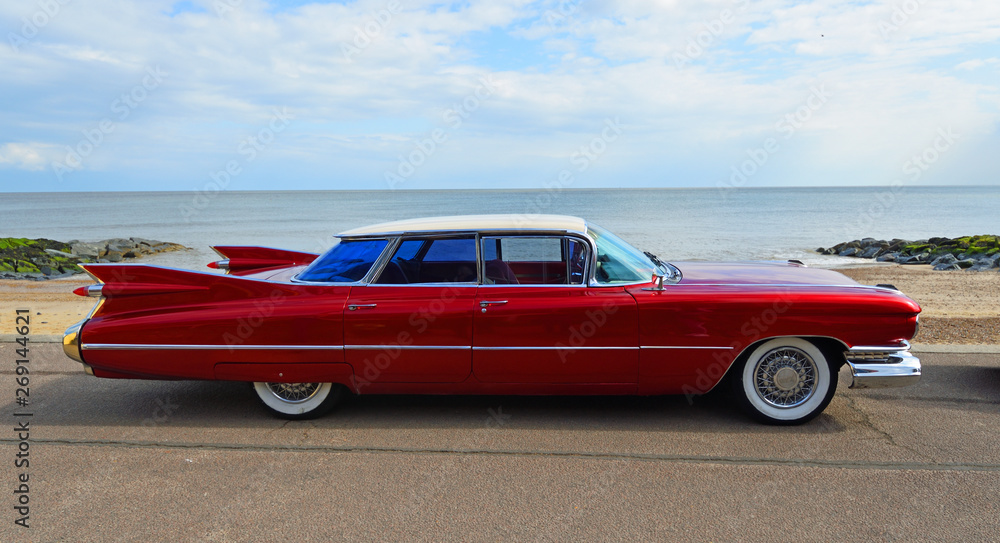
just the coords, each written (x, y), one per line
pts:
(413, 323)
(537, 321)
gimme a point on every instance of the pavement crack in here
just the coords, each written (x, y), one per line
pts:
(867, 422)
(551, 454)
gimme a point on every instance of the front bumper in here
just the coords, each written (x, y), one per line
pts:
(883, 367)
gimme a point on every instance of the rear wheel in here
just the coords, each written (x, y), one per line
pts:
(299, 401)
(785, 381)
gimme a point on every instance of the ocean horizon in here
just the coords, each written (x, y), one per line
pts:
(748, 223)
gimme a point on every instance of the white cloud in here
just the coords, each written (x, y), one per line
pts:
(695, 82)
(28, 156)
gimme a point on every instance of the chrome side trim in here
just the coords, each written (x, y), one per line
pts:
(682, 347)
(409, 347)
(553, 348)
(180, 347)
(785, 285)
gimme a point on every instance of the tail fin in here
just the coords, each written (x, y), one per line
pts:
(244, 260)
(136, 287)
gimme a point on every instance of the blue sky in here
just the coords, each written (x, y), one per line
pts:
(407, 94)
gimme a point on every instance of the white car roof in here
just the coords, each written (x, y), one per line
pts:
(473, 223)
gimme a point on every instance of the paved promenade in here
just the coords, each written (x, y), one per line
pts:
(184, 461)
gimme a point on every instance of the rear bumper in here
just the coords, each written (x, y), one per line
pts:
(883, 367)
(71, 341)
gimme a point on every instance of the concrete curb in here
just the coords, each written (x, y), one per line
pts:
(956, 349)
(33, 338)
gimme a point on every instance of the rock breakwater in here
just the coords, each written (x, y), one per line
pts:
(39, 259)
(973, 253)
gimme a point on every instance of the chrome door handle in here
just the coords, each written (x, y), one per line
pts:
(355, 307)
(487, 303)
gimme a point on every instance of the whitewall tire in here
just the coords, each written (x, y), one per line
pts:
(785, 381)
(299, 401)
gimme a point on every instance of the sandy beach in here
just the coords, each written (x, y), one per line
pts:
(958, 307)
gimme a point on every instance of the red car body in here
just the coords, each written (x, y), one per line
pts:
(543, 322)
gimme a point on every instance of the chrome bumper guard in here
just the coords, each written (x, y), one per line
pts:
(71, 341)
(883, 367)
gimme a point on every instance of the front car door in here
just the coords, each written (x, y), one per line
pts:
(538, 321)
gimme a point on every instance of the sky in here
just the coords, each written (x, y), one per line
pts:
(109, 95)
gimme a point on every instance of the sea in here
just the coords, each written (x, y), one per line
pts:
(676, 224)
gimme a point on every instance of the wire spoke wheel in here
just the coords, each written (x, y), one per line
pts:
(785, 380)
(294, 392)
(298, 401)
(785, 377)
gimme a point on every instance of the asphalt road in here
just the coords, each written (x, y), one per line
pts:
(183, 461)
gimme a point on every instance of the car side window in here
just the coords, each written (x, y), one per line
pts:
(533, 260)
(345, 262)
(431, 260)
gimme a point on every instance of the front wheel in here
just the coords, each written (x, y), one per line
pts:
(299, 401)
(785, 381)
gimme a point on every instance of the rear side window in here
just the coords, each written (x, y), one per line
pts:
(346, 262)
(430, 260)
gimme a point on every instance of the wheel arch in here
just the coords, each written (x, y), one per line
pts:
(832, 348)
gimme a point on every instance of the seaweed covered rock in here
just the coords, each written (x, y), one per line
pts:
(24, 258)
(976, 253)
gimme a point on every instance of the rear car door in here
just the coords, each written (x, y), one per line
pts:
(413, 323)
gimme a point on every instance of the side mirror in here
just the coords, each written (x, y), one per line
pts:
(657, 282)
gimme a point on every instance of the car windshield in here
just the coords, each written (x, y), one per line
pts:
(619, 262)
(345, 262)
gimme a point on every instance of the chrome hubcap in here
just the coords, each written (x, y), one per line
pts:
(293, 392)
(785, 377)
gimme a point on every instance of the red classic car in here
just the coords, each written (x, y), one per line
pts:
(496, 304)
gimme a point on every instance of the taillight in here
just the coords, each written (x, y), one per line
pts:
(94, 291)
(219, 265)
